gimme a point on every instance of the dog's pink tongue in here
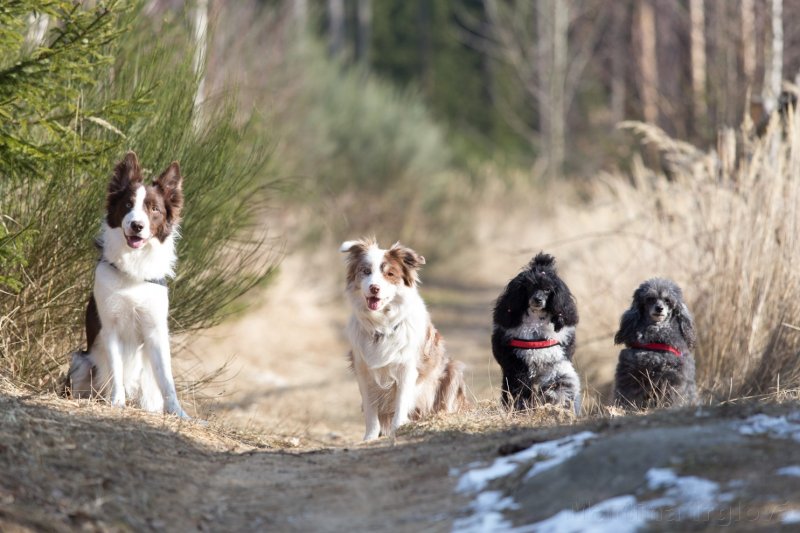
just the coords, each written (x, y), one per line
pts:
(135, 242)
(373, 303)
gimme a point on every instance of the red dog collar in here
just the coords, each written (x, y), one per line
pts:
(657, 347)
(532, 345)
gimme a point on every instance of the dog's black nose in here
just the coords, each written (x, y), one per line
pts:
(137, 226)
(374, 289)
(659, 308)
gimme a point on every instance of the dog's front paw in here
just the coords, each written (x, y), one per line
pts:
(118, 400)
(371, 435)
(174, 408)
(397, 423)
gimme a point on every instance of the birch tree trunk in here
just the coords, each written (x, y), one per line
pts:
(200, 28)
(335, 27)
(698, 58)
(773, 73)
(748, 29)
(553, 26)
(648, 62)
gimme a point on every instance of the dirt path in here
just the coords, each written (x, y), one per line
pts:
(71, 466)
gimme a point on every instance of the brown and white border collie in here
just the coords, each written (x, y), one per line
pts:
(398, 356)
(128, 351)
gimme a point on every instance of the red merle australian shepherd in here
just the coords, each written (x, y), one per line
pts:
(398, 356)
(128, 351)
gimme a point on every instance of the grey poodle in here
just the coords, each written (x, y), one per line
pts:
(656, 367)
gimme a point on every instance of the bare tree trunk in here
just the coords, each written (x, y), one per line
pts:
(698, 58)
(748, 18)
(300, 14)
(200, 28)
(335, 27)
(648, 62)
(553, 26)
(773, 73)
(364, 15)
(618, 62)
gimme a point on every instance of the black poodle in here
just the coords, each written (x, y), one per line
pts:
(656, 367)
(534, 338)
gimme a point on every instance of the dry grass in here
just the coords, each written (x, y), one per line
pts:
(488, 416)
(729, 219)
(723, 224)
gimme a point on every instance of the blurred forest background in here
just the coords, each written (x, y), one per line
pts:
(415, 120)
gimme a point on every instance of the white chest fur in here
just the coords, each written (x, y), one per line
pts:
(129, 306)
(388, 339)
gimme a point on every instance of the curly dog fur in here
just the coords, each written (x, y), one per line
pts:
(537, 309)
(656, 367)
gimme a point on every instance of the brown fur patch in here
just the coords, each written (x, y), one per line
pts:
(92, 323)
(163, 199)
(355, 256)
(122, 189)
(409, 262)
(394, 270)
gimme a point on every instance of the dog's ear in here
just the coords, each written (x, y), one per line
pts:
(628, 325)
(686, 324)
(512, 304)
(170, 182)
(126, 172)
(347, 246)
(561, 306)
(410, 260)
(354, 250)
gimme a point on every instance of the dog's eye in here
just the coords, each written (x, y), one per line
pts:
(668, 302)
(155, 209)
(390, 274)
(366, 271)
(128, 205)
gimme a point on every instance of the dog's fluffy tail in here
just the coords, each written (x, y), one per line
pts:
(451, 395)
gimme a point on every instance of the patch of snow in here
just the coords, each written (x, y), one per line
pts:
(477, 479)
(773, 426)
(556, 452)
(789, 471)
(548, 455)
(684, 497)
(486, 513)
(617, 515)
(790, 517)
(486, 510)
(688, 496)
